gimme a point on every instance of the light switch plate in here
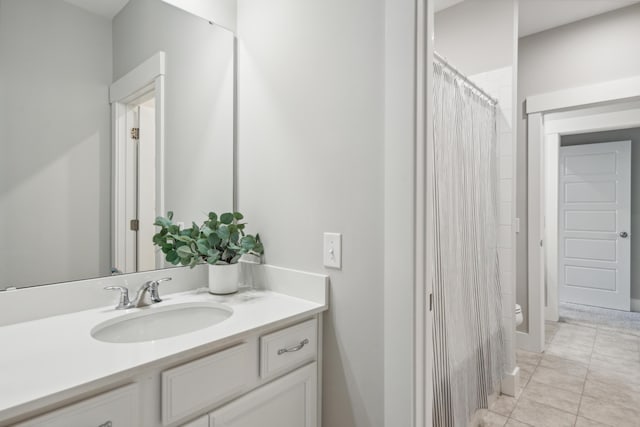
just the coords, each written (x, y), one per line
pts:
(333, 250)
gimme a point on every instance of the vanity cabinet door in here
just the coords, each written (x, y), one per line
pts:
(117, 408)
(290, 401)
(196, 386)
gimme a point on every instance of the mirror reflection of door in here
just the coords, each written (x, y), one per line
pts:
(140, 186)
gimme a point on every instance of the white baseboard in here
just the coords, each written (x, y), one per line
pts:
(511, 383)
(635, 305)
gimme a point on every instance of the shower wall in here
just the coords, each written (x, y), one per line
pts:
(499, 84)
(481, 41)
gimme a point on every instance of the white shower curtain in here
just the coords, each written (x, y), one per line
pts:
(468, 330)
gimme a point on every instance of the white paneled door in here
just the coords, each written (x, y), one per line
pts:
(594, 224)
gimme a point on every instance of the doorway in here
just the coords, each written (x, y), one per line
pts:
(137, 101)
(598, 310)
(550, 120)
(141, 183)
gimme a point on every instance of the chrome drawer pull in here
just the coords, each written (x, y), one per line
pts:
(294, 348)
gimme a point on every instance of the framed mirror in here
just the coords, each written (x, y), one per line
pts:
(63, 182)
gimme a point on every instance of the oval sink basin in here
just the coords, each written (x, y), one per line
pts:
(155, 323)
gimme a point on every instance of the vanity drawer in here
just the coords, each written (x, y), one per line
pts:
(288, 348)
(202, 383)
(117, 408)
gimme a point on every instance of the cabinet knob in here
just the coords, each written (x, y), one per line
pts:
(624, 234)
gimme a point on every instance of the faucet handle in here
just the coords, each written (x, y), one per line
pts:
(124, 302)
(153, 288)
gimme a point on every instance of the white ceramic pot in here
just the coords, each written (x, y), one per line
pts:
(223, 279)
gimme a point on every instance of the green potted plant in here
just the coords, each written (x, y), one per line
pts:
(220, 242)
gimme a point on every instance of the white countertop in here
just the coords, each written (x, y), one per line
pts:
(44, 358)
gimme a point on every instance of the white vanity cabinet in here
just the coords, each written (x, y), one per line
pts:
(265, 377)
(194, 386)
(290, 401)
(116, 408)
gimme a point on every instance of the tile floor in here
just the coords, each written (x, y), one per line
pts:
(589, 376)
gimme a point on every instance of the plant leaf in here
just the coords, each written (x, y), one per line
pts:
(223, 232)
(226, 218)
(214, 239)
(184, 239)
(193, 262)
(238, 216)
(184, 251)
(162, 222)
(203, 246)
(172, 257)
(248, 242)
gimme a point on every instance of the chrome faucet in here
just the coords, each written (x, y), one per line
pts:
(146, 295)
(153, 289)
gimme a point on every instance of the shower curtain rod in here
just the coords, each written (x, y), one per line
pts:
(466, 79)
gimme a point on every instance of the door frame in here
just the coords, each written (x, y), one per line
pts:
(408, 319)
(146, 77)
(594, 108)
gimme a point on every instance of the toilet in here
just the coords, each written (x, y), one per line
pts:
(519, 318)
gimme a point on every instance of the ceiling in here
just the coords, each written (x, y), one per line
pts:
(106, 8)
(540, 15)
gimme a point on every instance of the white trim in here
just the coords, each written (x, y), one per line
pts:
(126, 87)
(424, 210)
(550, 209)
(635, 305)
(160, 160)
(511, 382)
(544, 131)
(593, 122)
(408, 137)
(534, 340)
(610, 91)
(554, 128)
(147, 77)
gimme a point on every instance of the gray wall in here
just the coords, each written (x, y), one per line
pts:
(198, 103)
(632, 135)
(55, 140)
(476, 36)
(594, 50)
(311, 159)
